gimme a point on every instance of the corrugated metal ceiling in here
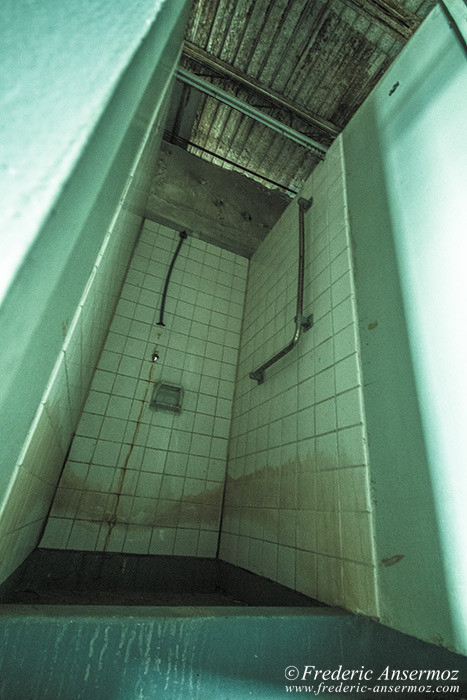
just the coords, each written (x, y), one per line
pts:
(324, 56)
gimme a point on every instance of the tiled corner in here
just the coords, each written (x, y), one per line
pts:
(145, 481)
(298, 470)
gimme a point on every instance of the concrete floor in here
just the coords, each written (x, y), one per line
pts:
(124, 598)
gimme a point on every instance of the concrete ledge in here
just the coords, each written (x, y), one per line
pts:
(219, 206)
(208, 654)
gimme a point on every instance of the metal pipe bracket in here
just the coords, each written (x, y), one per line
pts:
(305, 204)
(258, 375)
(306, 322)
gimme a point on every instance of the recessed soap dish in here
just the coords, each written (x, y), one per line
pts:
(166, 397)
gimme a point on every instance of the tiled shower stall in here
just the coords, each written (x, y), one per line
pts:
(338, 476)
(297, 508)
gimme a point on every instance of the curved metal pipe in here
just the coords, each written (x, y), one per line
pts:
(302, 323)
(183, 235)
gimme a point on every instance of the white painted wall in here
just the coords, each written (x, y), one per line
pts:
(61, 63)
(405, 155)
(425, 134)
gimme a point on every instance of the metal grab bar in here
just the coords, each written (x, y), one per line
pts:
(302, 323)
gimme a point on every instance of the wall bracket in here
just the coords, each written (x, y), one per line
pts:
(305, 322)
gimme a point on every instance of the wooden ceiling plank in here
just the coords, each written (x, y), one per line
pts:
(281, 158)
(205, 122)
(254, 29)
(265, 41)
(228, 134)
(392, 16)
(203, 58)
(227, 145)
(202, 17)
(219, 29)
(338, 68)
(286, 47)
(301, 69)
(290, 60)
(239, 22)
(327, 44)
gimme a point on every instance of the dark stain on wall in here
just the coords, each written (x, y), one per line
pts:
(112, 518)
(390, 561)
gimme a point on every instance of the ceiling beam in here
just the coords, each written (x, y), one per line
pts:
(253, 112)
(206, 60)
(390, 15)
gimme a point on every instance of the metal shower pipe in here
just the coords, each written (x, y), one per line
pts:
(183, 235)
(302, 323)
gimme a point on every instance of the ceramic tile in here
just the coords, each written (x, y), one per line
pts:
(353, 489)
(329, 580)
(186, 542)
(356, 537)
(83, 535)
(137, 539)
(56, 533)
(162, 540)
(317, 420)
(306, 571)
(349, 408)
(207, 544)
(359, 593)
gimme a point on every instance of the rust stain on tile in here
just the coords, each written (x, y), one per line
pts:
(111, 519)
(373, 325)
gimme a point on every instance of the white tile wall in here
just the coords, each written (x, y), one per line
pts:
(297, 506)
(41, 460)
(145, 481)
(26, 504)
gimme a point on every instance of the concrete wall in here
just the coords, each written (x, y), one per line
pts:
(220, 206)
(297, 506)
(405, 157)
(144, 481)
(83, 121)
